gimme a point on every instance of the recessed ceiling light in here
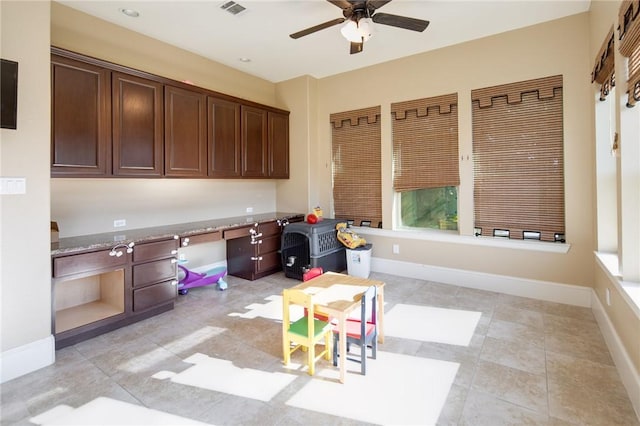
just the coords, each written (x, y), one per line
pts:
(130, 12)
(244, 59)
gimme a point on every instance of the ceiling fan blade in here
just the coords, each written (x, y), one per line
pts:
(413, 24)
(342, 4)
(376, 4)
(315, 28)
(356, 47)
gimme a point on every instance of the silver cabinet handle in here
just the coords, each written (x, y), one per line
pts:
(254, 242)
(174, 260)
(174, 252)
(256, 258)
(185, 242)
(174, 283)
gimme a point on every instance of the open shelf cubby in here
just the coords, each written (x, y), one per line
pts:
(85, 300)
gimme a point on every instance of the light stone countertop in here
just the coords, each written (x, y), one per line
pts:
(85, 243)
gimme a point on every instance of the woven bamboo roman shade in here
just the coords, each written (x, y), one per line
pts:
(629, 29)
(357, 184)
(604, 69)
(518, 159)
(425, 143)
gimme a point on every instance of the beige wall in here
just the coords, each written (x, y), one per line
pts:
(25, 270)
(500, 59)
(296, 95)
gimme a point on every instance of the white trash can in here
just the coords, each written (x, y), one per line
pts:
(359, 261)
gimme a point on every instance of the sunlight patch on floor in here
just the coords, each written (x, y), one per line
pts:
(222, 376)
(107, 411)
(430, 324)
(413, 390)
(270, 310)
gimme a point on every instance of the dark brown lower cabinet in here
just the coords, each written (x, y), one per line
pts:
(97, 292)
(254, 251)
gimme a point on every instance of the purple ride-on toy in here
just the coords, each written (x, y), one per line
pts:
(189, 279)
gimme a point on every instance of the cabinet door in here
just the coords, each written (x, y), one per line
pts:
(137, 126)
(80, 118)
(185, 127)
(278, 145)
(224, 138)
(254, 142)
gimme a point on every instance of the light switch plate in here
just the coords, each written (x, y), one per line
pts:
(13, 185)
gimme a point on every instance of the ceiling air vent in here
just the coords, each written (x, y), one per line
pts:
(232, 7)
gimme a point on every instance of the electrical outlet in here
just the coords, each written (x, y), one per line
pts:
(119, 223)
(249, 209)
(396, 249)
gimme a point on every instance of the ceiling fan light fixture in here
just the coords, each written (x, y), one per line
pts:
(350, 32)
(365, 28)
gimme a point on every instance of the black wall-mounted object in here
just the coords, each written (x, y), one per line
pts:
(9, 94)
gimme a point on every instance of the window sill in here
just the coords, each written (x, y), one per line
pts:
(629, 290)
(455, 238)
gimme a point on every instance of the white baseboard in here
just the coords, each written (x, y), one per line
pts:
(536, 289)
(626, 369)
(24, 359)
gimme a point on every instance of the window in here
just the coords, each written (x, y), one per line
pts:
(606, 147)
(518, 159)
(425, 162)
(435, 208)
(357, 181)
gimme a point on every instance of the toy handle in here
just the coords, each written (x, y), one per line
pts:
(186, 272)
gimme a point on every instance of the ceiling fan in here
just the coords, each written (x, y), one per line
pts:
(360, 14)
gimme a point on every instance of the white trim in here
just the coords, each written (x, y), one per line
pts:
(454, 237)
(542, 290)
(630, 291)
(626, 369)
(24, 359)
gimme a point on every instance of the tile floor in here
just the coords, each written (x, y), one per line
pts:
(528, 361)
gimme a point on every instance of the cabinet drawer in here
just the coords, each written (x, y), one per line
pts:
(87, 262)
(269, 244)
(151, 272)
(154, 295)
(156, 250)
(230, 234)
(269, 228)
(200, 238)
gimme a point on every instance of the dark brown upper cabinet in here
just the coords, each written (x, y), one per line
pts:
(224, 138)
(80, 119)
(113, 121)
(278, 145)
(137, 126)
(185, 133)
(254, 142)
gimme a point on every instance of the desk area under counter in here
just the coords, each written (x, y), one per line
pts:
(105, 281)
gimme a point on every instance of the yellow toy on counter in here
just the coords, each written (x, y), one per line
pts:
(348, 238)
(318, 212)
